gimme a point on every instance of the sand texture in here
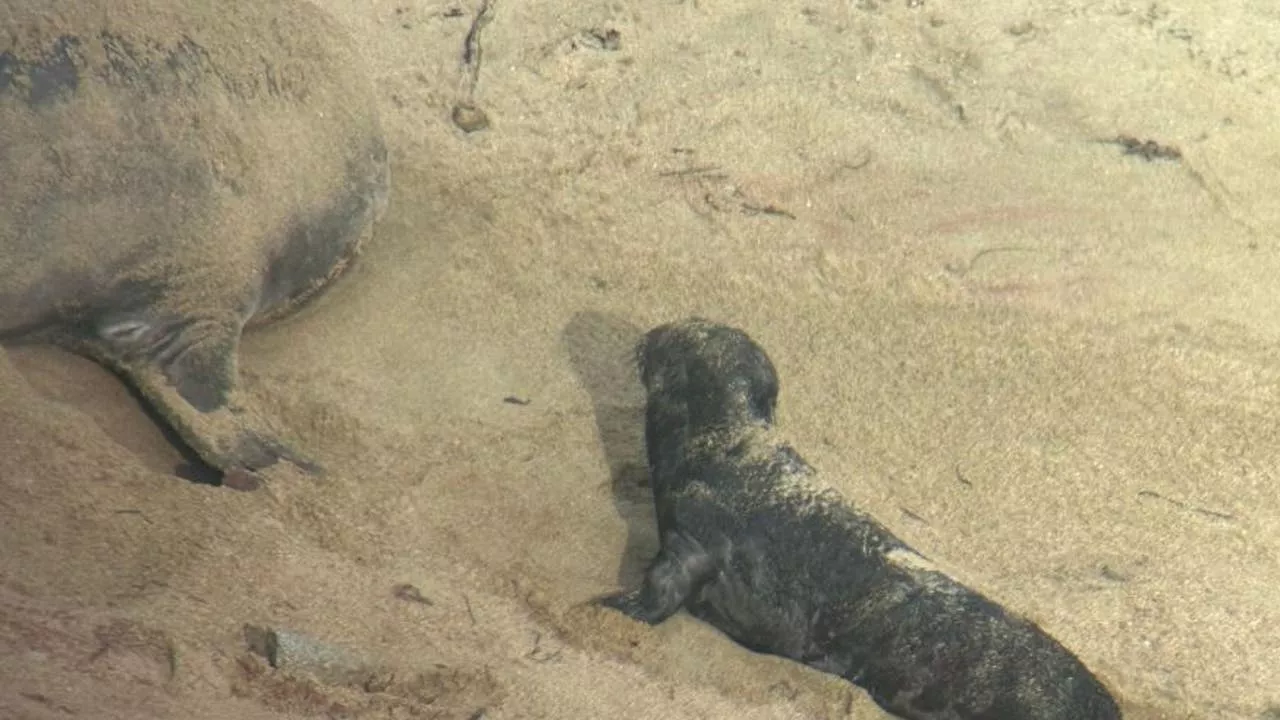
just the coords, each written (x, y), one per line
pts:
(1047, 359)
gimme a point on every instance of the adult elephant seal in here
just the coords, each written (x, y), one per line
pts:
(170, 173)
(753, 544)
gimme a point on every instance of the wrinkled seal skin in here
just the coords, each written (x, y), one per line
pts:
(753, 544)
(170, 173)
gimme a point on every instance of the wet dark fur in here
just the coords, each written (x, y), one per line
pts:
(754, 545)
(175, 173)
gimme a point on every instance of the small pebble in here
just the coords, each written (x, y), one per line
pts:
(469, 118)
(296, 652)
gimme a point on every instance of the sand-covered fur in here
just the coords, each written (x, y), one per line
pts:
(170, 173)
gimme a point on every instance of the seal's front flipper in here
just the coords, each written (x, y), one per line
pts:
(196, 355)
(680, 568)
(185, 368)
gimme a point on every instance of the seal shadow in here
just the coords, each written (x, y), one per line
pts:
(601, 351)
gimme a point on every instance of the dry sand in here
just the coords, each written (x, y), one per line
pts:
(1051, 366)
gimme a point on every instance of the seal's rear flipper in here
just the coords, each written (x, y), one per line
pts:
(679, 570)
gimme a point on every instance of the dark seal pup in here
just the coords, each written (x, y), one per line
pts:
(753, 544)
(171, 172)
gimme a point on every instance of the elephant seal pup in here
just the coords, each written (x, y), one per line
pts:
(753, 544)
(170, 173)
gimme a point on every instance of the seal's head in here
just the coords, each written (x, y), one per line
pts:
(711, 375)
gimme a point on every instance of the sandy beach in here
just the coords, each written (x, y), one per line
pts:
(1015, 262)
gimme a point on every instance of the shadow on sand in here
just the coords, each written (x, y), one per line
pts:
(602, 351)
